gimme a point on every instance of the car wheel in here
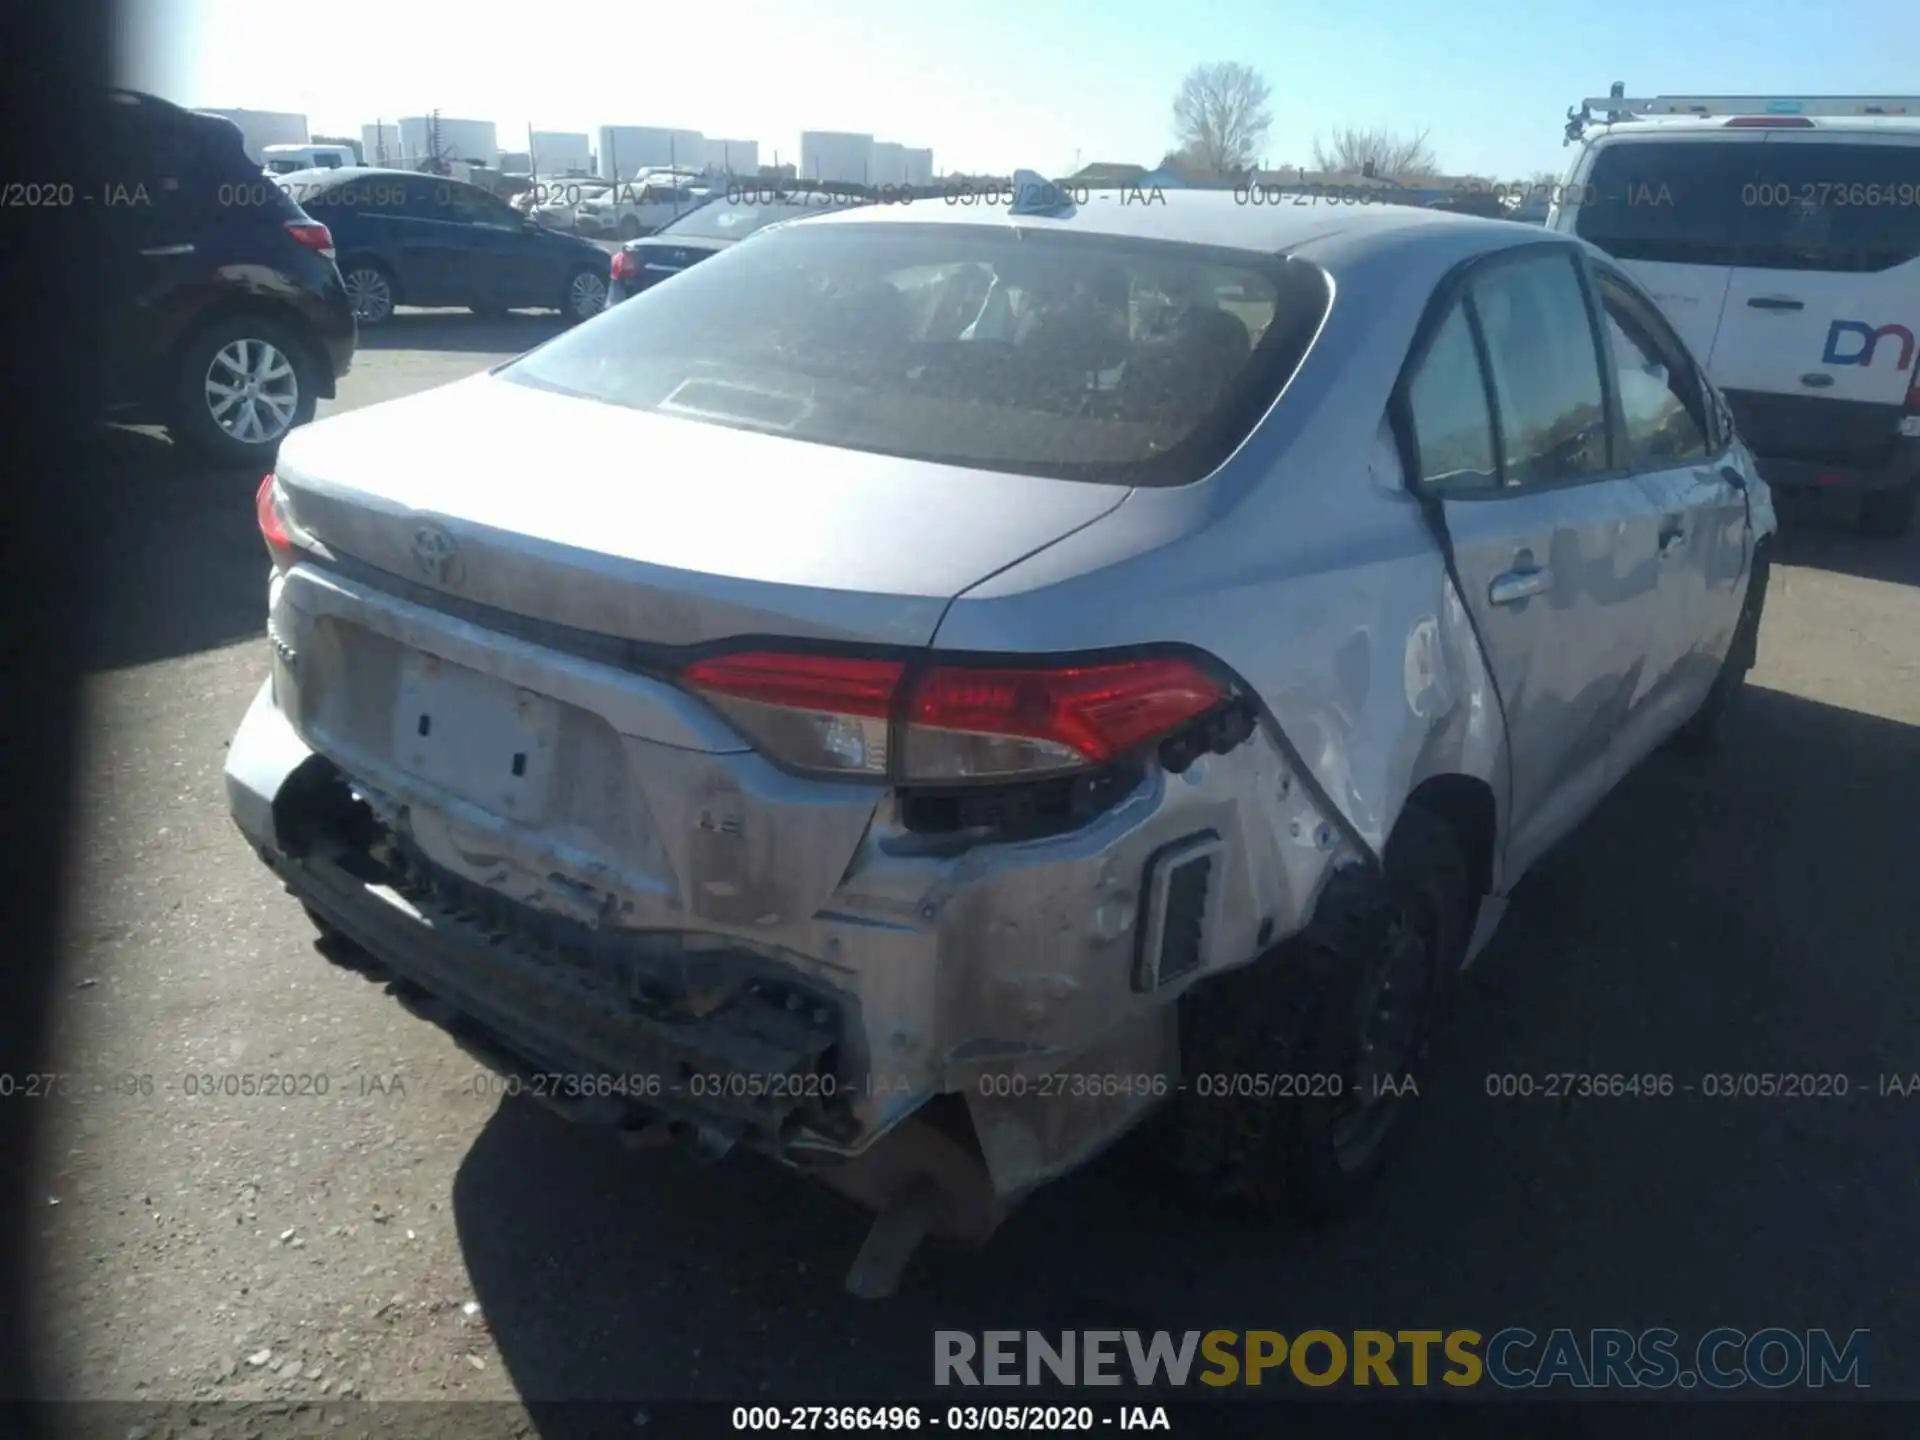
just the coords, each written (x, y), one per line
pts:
(370, 289)
(629, 228)
(1344, 1011)
(1707, 729)
(1887, 514)
(243, 383)
(586, 295)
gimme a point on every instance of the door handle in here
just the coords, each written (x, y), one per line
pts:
(1731, 474)
(168, 250)
(1516, 585)
(1775, 302)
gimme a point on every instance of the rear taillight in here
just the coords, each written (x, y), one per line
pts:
(269, 510)
(951, 723)
(313, 235)
(625, 266)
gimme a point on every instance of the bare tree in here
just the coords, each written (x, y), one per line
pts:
(1376, 152)
(1220, 115)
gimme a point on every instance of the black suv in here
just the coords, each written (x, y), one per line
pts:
(227, 320)
(411, 239)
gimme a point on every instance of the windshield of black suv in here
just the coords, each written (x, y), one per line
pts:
(1082, 356)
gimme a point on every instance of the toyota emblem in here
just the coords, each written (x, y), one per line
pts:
(436, 555)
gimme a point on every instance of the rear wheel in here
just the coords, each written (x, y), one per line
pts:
(243, 383)
(586, 295)
(1706, 731)
(629, 228)
(370, 289)
(1887, 514)
(1302, 1068)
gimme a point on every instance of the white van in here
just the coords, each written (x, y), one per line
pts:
(1782, 237)
(286, 159)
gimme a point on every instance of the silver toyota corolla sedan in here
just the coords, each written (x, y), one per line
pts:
(973, 683)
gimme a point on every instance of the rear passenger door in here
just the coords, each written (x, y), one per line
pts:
(1819, 336)
(1671, 212)
(1556, 545)
(1675, 443)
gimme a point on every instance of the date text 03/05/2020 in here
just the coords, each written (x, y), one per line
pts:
(1713, 1085)
(1037, 1419)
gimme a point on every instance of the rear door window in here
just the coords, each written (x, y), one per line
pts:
(1819, 205)
(1662, 403)
(1676, 202)
(1081, 356)
(1545, 366)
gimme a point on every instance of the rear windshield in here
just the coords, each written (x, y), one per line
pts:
(1803, 202)
(1085, 357)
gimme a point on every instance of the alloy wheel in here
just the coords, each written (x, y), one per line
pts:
(252, 391)
(587, 295)
(370, 295)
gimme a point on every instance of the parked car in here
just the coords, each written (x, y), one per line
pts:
(708, 229)
(557, 202)
(924, 717)
(411, 239)
(291, 159)
(640, 206)
(1785, 247)
(228, 319)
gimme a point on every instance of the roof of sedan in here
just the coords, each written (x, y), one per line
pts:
(1222, 218)
(360, 172)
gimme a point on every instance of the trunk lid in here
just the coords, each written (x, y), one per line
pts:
(657, 528)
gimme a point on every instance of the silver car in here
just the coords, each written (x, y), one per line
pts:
(968, 684)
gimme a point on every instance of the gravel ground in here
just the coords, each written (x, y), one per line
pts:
(408, 1236)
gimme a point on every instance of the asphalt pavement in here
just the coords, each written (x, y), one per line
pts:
(409, 1235)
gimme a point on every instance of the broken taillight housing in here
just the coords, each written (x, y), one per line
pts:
(950, 722)
(270, 509)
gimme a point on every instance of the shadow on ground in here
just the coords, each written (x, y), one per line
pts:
(1747, 914)
(175, 549)
(461, 330)
(1817, 531)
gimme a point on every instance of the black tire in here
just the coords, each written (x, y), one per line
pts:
(1313, 1008)
(372, 290)
(1887, 514)
(629, 228)
(246, 431)
(585, 295)
(1706, 730)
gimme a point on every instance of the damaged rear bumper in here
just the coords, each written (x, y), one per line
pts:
(983, 1017)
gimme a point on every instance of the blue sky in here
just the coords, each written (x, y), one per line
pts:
(993, 84)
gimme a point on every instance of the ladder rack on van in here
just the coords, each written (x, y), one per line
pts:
(1616, 107)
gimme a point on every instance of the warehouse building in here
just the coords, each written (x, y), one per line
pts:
(562, 152)
(625, 149)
